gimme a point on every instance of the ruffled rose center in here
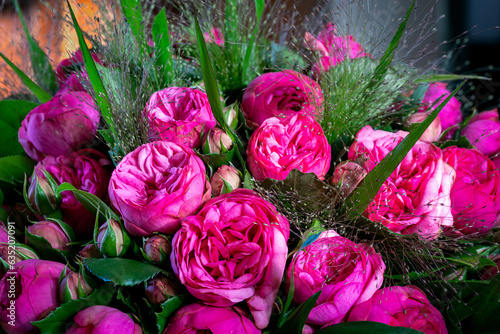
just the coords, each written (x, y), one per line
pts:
(287, 98)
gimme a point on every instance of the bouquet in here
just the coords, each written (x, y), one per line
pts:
(209, 168)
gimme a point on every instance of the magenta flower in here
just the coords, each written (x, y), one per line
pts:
(483, 131)
(280, 94)
(179, 114)
(280, 145)
(233, 250)
(156, 186)
(100, 319)
(215, 36)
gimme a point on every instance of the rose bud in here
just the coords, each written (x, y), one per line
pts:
(60, 126)
(57, 233)
(70, 65)
(36, 294)
(103, 319)
(433, 132)
(157, 248)
(348, 175)
(483, 131)
(42, 195)
(21, 252)
(225, 180)
(199, 318)
(159, 290)
(112, 239)
(401, 306)
(231, 117)
(280, 94)
(90, 251)
(450, 115)
(217, 141)
(178, 114)
(73, 286)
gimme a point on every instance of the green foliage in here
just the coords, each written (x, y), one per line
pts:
(124, 272)
(167, 309)
(356, 327)
(12, 113)
(163, 52)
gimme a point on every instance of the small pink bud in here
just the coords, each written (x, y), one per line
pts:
(58, 234)
(73, 287)
(90, 251)
(161, 289)
(157, 248)
(225, 180)
(348, 175)
(217, 141)
(112, 239)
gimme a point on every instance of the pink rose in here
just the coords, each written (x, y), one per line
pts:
(198, 318)
(36, 293)
(475, 195)
(280, 145)
(233, 250)
(214, 36)
(483, 131)
(401, 306)
(280, 94)
(156, 186)
(416, 197)
(450, 115)
(99, 319)
(346, 273)
(86, 170)
(179, 114)
(60, 126)
(53, 232)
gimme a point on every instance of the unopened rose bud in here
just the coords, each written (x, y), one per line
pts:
(434, 130)
(73, 287)
(112, 239)
(217, 141)
(157, 248)
(231, 117)
(42, 195)
(90, 251)
(21, 253)
(348, 175)
(225, 180)
(57, 233)
(160, 289)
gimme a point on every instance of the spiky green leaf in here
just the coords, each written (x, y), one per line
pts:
(163, 50)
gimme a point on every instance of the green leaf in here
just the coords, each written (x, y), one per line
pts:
(101, 95)
(12, 113)
(486, 308)
(167, 309)
(39, 92)
(366, 190)
(259, 9)
(91, 202)
(449, 77)
(163, 50)
(386, 60)
(55, 322)
(40, 63)
(126, 272)
(13, 168)
(462, 142)
(296, 321)
(356, 327)
(211, 86)
(216, 160)
(133, 12)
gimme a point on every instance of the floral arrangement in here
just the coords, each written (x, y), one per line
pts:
(215, 171)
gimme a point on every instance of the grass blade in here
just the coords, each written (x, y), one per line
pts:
(259, 9)
(163, 48)
(40, 63)
(371, 184)
(449, 77)
(101, 95)
(133, 12)
(38, 91)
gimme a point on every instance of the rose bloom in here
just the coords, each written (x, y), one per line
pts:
(280, 94)
(99, 319)
(483, 131)
(60, 126)
(416, 196)
(233, 250)
(179, 114)
(198, 318)
(475, 195)
(401, 307)
(36, 293)
(450, 115)
(346, 273)
(156, 186)
(86, 170)
(280, 145)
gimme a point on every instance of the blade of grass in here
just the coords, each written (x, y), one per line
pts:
(163, 50)
(231, 20)
(38, 91)
(100, 92)
(40, 63)
(371, 184)
(448, 77)
(386, 60)
(132, 10)
(259, 9)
